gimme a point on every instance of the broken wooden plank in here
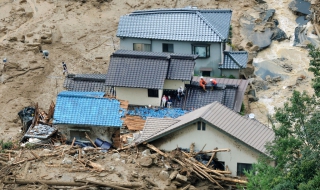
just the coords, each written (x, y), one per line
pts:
(157, 150)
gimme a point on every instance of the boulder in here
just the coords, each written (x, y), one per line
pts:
(146, 161)
(173, 175)
(181, 178)
(252, 98)
(115, 155)
(146, 152)
(164, 175)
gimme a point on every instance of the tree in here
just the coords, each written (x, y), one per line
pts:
(295, 149)
(314, 53)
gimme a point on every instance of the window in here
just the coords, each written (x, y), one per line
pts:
(201, 126)
(153, 93)
(79, 134)
(141, 47)
(241, 167)
(206, 73)
(203, 51)
(167, 48)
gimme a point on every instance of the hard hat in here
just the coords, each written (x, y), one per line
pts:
(211, 79)
(201, 77)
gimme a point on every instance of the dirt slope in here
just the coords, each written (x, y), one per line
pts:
(71, 31)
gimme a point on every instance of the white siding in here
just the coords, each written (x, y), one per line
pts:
(213, 138)
(137, 96)
(173, 84)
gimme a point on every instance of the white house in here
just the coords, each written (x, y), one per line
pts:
(140, 77)
(216, 126)
(185, 30)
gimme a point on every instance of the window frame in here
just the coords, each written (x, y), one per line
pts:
(243, 166)
(207, 48)
(205, 75)
(167, 48)
(143, 48)
(152, 92)
(201, 126)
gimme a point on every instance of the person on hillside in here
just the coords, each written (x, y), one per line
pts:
(45, 54)
(65, 69)
(202, 83)
(213, 83)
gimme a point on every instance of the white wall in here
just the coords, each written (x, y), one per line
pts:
(173, 84)
(181, 47)
(137, 96)
(240, 153)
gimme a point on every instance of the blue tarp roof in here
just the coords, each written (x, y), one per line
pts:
(87, 108)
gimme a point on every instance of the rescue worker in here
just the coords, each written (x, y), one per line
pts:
(65, 69)
(202, 83)
(213, 84)
(45, 54)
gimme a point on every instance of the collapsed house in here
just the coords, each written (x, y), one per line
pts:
(81, 115)
(210, 127)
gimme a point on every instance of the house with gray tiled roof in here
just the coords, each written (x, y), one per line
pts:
(140, 77)
(184, 30)
(86, 82)
(233, 62)
(211, 126)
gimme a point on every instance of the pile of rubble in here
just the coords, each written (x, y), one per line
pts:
(175, 169)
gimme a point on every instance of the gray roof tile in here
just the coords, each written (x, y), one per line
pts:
(86, 83)
(241, 88)
(177, 24)
(140, 69)
(249, 131)
(181, 69)
(234, 60)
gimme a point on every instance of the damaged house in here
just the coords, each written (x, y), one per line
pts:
(141, 77)
(78, 113)
(209, 127)
(184, 30)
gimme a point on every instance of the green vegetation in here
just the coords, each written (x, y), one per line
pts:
(6, 145)
(243, 109)
(296, 147)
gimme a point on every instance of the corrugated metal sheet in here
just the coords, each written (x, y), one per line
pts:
(242, 86)
(177, 24)
(87, 108)
(234, 60)
(249, 131)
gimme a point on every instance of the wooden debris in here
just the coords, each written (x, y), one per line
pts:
(87, 137)
(134, 123)
(211, 158)
(156, 150)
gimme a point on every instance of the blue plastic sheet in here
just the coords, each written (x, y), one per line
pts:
(158, 113)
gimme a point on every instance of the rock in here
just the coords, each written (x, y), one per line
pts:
(13, 39)
(268, 15)
(167, 166)
(181, 178)
(135, 174)
(279, 35)
(268, 78)
(146, 161)
(146, 152)
(168, 182)
(66, 161)
(115, 155)
(277, 78)
(249, 44)
(46, 41)
(300, 6)
(164, 175)
(252, 98)
(23, 1)
(254, 48)
(173, 175)
(171, 187)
